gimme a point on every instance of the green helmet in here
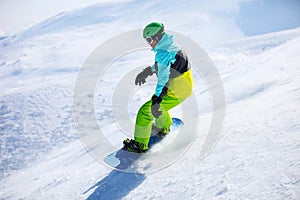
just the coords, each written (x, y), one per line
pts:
(153, 29)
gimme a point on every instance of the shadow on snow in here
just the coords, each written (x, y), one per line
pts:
(116, 185)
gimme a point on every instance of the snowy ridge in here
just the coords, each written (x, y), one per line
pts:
(72, 20)
(257, 156)
(257, 44)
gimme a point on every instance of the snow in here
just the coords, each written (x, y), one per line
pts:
(256, 157)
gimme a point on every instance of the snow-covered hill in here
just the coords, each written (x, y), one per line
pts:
(257, 156)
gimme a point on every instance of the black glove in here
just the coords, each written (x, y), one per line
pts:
(155, 106)
(141, 77)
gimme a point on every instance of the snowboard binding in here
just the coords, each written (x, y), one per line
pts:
(133, 146)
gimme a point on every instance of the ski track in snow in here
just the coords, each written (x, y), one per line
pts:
(256, 157)
(34, 120)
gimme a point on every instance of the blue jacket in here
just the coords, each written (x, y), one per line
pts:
(166, 51)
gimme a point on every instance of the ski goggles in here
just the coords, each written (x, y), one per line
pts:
(149, 40)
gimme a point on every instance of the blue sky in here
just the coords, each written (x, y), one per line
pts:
(252, 17)
(265, 16)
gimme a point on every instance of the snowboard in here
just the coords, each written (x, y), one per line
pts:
(122, 159)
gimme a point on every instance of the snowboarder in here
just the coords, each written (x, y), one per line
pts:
(174, 85)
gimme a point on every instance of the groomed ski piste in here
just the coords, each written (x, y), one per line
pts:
(42, 156)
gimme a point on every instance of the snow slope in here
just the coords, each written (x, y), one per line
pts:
(257, 156)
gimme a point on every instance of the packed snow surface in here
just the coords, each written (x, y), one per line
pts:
(256, 157)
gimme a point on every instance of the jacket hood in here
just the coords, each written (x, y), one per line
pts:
(166, 43)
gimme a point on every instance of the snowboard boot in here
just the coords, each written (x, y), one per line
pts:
(160, 131)
(134, 146)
